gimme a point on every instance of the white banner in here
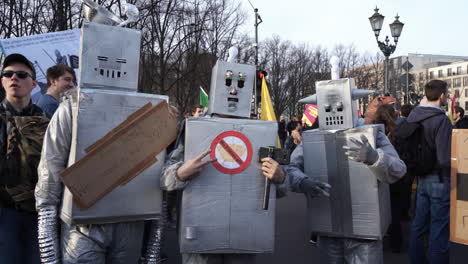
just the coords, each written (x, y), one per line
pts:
(44, 51)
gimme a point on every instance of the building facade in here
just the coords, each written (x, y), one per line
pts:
(455, 74)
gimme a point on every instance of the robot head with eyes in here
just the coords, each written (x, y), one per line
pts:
(231, 87)
(336, 101)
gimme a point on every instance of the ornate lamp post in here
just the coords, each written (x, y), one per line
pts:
(387, 49)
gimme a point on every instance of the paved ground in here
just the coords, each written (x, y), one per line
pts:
(292, 246)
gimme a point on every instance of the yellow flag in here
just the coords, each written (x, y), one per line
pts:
(268, 113)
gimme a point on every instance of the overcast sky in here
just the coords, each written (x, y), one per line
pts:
(431, 26)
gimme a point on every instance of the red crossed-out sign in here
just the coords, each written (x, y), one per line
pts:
(233, 152)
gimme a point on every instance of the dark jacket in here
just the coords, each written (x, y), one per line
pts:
(462, 123)
(438, 132)
(290, 126)
(282, 133)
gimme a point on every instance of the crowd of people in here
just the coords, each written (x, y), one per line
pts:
(426, 125)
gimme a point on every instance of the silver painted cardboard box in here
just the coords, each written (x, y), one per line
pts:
(359, 204)
(336, 106)
(109, 57)
(222, 208)
(95, 113)
(242, 78)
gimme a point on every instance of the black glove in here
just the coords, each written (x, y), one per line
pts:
(364, 152)
(315, 188)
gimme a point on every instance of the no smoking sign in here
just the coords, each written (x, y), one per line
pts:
(233, 152)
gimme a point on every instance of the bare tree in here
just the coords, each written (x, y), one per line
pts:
(182, 39)
(276, 60)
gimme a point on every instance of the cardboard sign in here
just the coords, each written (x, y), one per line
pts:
(459, 187)
(121, 155)
(44, 51)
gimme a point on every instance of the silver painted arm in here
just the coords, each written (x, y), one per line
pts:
(298, 181)
(48, 192)
(295, 170)
(389, 168)
(49, 244)
(169, 180)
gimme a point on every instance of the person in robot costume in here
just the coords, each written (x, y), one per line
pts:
(383, 162)
(177, 174)
(83, 243)
(119, 242)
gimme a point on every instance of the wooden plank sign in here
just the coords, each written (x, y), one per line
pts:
(459, 187)
(122, 154)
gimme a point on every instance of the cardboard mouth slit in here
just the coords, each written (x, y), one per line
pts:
(231, 99)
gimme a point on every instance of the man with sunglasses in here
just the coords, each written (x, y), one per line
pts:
(21, 123)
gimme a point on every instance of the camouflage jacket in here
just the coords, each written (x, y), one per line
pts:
(21, 135)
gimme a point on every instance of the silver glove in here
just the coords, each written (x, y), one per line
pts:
(315, 188)
(49, 245)
(363, 152)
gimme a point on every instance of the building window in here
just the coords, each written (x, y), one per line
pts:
(466, 92)
(457, 82)
(466, 106)
(421, 76)
(431, 75)
(449, 72)
(441, 73)
(457, 93)
(449, 83)
(459, 70)
(465, 81)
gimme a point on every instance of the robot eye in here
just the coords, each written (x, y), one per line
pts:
(228, 78)
(241, 80)
(339, 107)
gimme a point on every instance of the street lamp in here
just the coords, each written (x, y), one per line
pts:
(387, 49)
(258, 21)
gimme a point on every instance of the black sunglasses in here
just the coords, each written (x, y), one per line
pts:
(19, 74)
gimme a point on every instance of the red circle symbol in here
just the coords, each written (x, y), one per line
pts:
(233, 152)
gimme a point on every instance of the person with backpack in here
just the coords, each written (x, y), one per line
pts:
(424, 141)
(22, 128)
